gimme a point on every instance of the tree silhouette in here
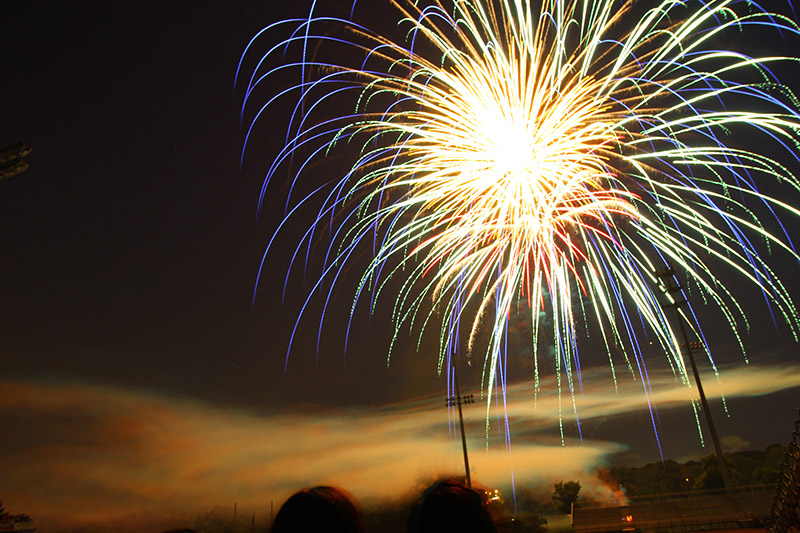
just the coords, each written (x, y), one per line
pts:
(7, 518)
(565, 494)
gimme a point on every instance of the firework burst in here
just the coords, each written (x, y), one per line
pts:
(551, 157)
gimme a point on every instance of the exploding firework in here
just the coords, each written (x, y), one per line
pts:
(550, 158)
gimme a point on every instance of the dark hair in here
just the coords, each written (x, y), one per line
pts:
(328, 509)
(449, 505)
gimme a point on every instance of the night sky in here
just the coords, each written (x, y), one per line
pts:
(135, 367)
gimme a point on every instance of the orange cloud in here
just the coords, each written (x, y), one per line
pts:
(96, 453)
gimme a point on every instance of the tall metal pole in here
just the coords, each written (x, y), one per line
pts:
(11, 159)
(671, 285)
(459, 400)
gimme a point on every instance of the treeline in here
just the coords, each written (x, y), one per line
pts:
(748, 468)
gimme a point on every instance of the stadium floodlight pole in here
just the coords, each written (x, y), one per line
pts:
(11, 162)
(459, 400)
(671, 285)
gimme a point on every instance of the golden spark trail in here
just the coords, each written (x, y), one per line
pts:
(550, 157)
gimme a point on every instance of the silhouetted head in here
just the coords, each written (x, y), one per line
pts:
(328, 509)
(450, 505)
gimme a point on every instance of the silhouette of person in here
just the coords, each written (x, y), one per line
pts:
(447, 506)
(323, 508)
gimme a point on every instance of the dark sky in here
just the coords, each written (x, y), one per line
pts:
(132, 241)
(133, 232)
(131, 245)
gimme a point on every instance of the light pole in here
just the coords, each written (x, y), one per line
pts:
(671, 285)
(459, 400)
(11, 159)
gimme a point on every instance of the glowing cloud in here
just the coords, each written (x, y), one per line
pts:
(81, 453)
